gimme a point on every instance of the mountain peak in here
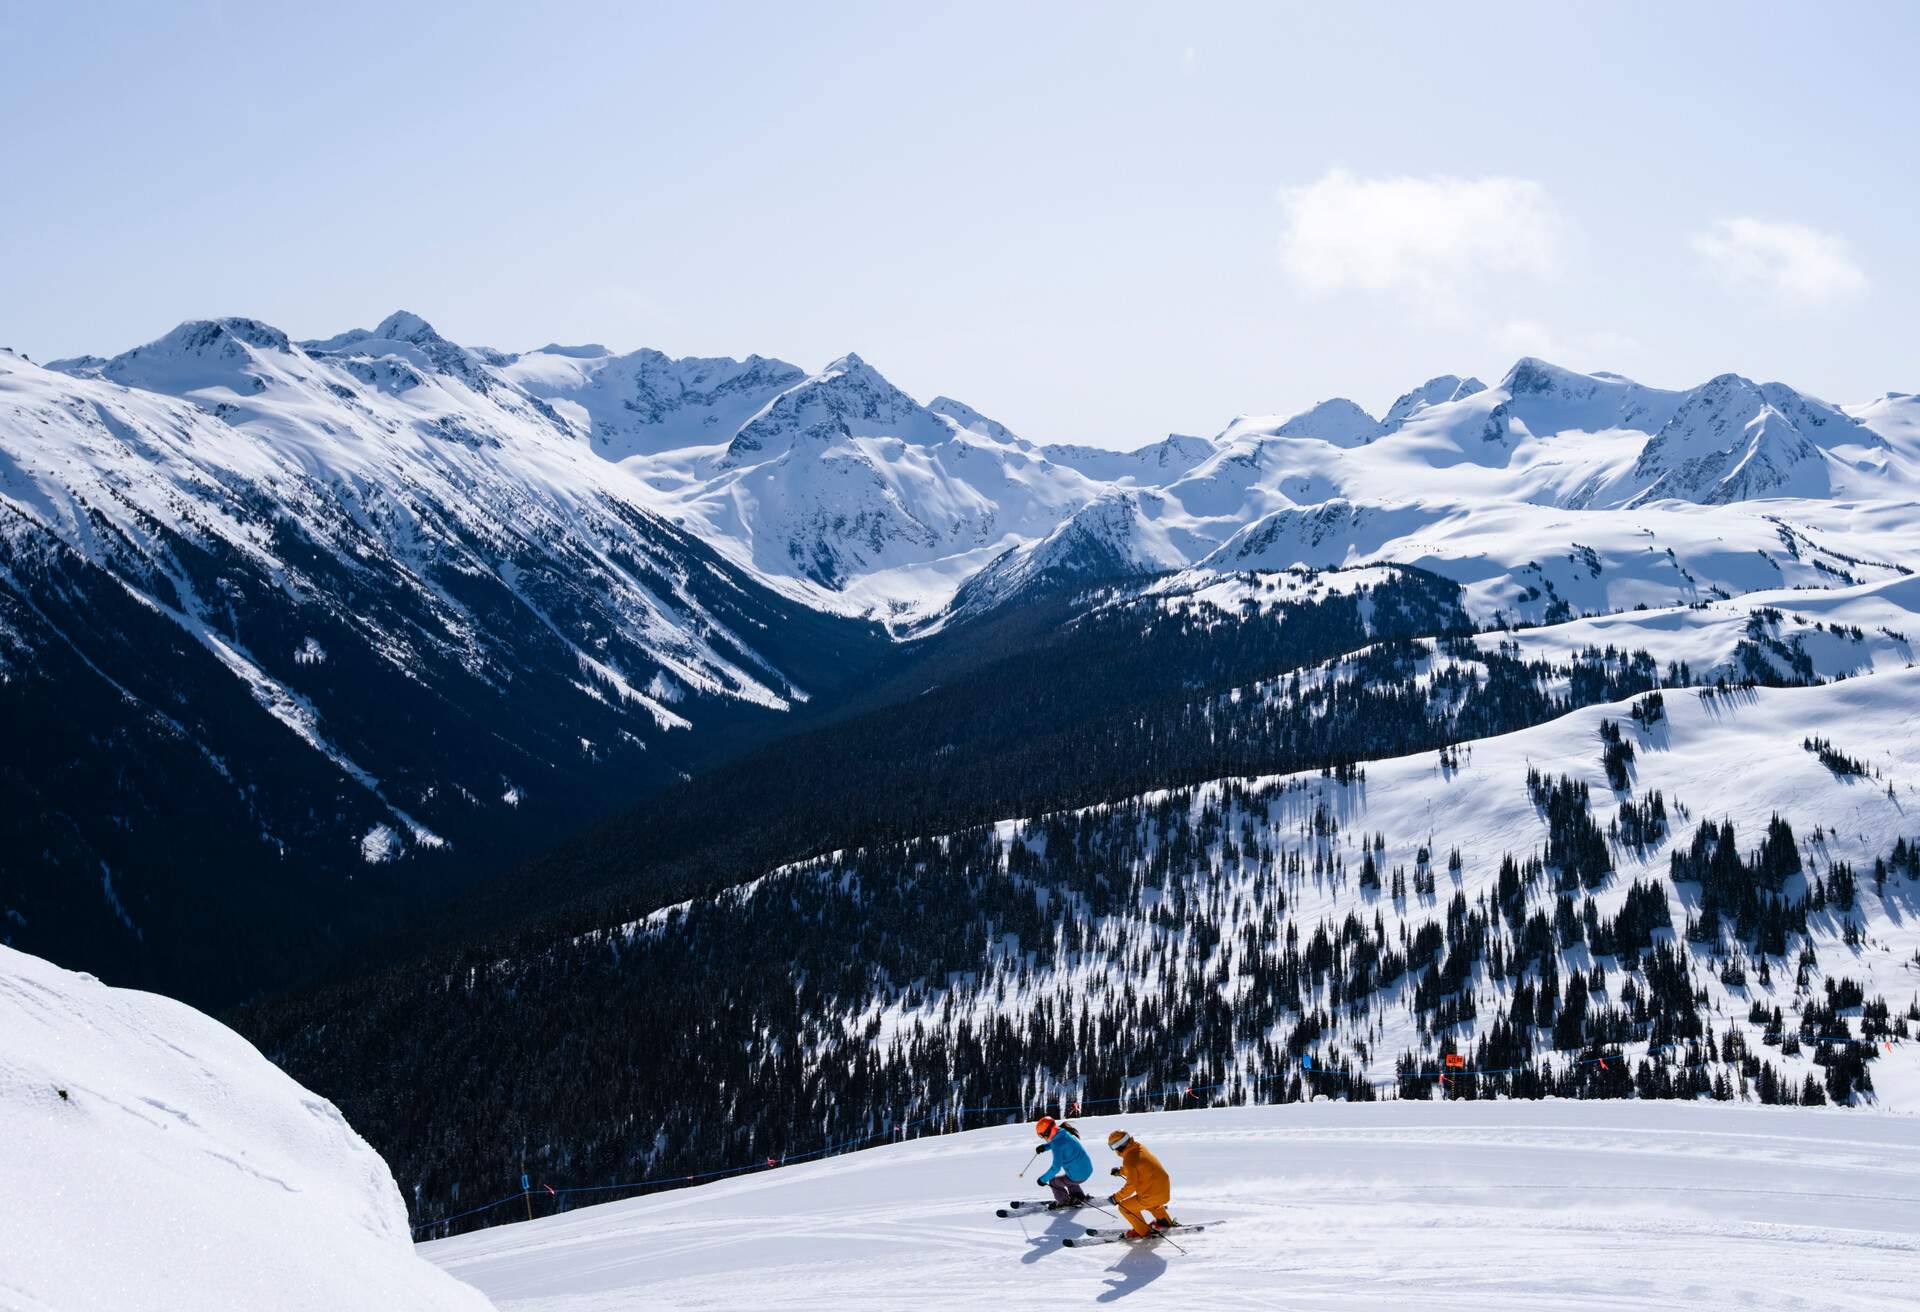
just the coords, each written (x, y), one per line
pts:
(853, 370)
(1730, 440)
(847, 398)
(1532, 375)
(197, 353)
(971, 420)
(1435, 391)
(1337, 420)
(199, 336)
(410, 330)
(405, 326)
(1111, 537)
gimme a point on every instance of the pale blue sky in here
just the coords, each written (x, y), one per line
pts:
(1092, 222)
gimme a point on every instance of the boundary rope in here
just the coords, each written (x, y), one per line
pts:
(1074, 1106)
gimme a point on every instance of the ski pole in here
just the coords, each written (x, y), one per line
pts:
(1029, 1165)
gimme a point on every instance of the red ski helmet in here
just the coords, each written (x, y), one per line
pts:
(1045, 1126)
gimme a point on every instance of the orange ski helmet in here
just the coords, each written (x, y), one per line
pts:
(1045, 1126)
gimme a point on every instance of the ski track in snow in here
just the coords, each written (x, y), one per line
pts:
(1488, 1205)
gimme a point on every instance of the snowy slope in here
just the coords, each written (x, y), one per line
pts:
(356, 603)
(1326, 1206)
(1148, 466)
(1736, 757)
(1519, 561)
(1839, 633)
(158, 1162)
(1775, 638)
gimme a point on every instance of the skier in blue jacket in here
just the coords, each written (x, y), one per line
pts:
(1071, 1166)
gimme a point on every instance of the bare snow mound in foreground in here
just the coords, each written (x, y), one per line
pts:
(155, 1160)
(1323, 1206)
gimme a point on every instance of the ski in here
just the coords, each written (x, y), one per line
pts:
(1024, 1207)
(1093, 1237)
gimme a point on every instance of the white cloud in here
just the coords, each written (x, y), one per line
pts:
(1429, 237)
(1791, 260)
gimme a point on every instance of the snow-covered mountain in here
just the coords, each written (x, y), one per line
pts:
(274, 614)
(1435, 391)
(645, 402)
(161, 1163)
(842, 491)
(1148, 466)
(1121, 535)
(1733, 441)
(841, 483)
(383, 597)
(1338, 421)
(836, 485)
(1556, 493)
(845, 482)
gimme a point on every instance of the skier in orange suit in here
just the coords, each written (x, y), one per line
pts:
(1146, 1187)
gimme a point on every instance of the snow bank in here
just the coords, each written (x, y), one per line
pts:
(1495, 1205)
(155, 1160)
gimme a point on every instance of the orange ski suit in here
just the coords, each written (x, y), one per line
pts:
(1147, 1188)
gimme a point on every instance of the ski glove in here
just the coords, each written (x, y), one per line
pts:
(1117, 1171)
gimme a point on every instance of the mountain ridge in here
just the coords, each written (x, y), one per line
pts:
(646, 555)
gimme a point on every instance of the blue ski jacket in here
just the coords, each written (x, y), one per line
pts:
(1069, 1158)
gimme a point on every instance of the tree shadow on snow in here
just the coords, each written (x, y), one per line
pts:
(1138, 1269)
(1052, 1239)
